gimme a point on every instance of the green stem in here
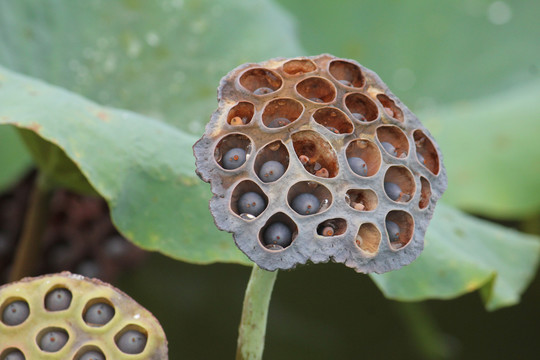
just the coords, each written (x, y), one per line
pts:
(29, 249)
(254, 314)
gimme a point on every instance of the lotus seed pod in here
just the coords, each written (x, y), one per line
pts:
(71, 331)
(15, 313)
(342, 137)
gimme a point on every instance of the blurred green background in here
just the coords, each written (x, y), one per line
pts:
(468, 68)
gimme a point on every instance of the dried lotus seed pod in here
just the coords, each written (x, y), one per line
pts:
(359, 175)
(68, 316)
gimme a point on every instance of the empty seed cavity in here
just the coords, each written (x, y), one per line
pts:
(132, 339)
(390, 107)
(362, 199)
(98, 312)
(241, 114)
(278, 233)
(332, 227)
(52, 339)
(399, 184)
(299, 66)
(368, 238)
(425, 193)
(260, 81)
(425, 152)
(12, 354)
(58, 299)
(15, 311)
(393, 140)
(363, 157)
(315, 153)
(232, 151)
(272, 162)
(281, 112)
(361, 107)
(248, 200)
(317, 89)
(334, 120)
(399, 228)
(347, 73)
(309, 197)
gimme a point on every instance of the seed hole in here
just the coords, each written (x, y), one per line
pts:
(260, 81)
(272, 162)
(399, 228)
(362, 199)
(15, 311)
(332, 227)
(361, 107)
(241, 114)
(317, 89)
(278, 233)
(309, 197)
(98, 312)
(52, 339)
(232, 151)
(347, 73)
(390, 108)
(281, 112)
(12, 354)
(393, 140)
(131, 339)
(248, 200)
(363, 157)
(368, 238)
(89, 352)
(425, 152)
(425, 193)
(315, 153)
(299, 66)
(399, 184)
(58, 299)
(334, 120)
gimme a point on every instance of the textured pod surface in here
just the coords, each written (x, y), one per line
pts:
(42, 335)
(317, 116)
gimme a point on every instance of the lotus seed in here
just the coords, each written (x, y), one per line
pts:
(279, 122)
(92, 355)
(393, 230)
(234, 158)
(132, 342)
(15, 313)
(14, 355)
(358, 165)
(389, 148)
(392, 190)
(251, 203)
(53, 340)
(58, 299)
(99, 314)
(271, 171)
(277, 234)
(263, 91)
(306, 204)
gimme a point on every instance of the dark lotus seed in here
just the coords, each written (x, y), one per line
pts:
(393, 230)
(251, 203)
(92, 355)
(271, 171)
(53, 341)
(263, 91)
(277, 234)
(392, 190)
(99, 314)
(132, 342)
(58, 299)
(389, 148)
(15, 355)
(358, 165)
(279, 122)
(234, 158)
(15, 313)
(306, 204)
